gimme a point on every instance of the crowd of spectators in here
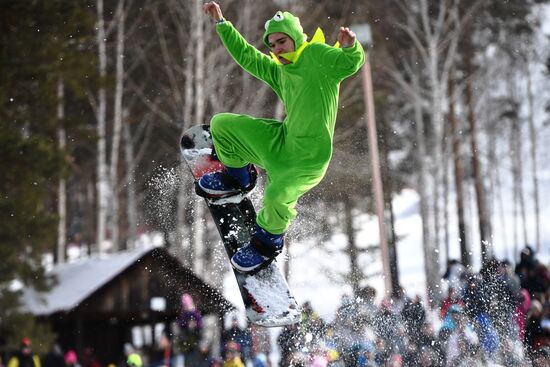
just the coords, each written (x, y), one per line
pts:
(497, 316)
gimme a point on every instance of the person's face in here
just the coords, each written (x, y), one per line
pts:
(280, 43)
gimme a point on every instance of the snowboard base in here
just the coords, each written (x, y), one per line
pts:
(265, 294)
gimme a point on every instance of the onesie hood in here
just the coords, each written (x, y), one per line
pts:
(288, 24)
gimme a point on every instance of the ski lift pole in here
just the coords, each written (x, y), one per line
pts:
(363, 33)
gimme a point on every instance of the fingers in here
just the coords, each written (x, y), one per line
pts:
(346, 37)
(210, 7)
(213, 9)
(347, 31)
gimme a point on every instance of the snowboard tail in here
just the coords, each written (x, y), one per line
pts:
(265, 293)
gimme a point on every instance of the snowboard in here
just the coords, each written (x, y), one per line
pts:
(265, 293)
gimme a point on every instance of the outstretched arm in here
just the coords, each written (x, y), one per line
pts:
(246, 55)
(346, 60)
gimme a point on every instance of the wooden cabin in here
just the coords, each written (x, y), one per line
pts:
(104, 302)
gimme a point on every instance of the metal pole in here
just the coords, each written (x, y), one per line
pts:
(376, 177)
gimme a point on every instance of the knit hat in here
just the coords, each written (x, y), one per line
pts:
(288, 24)
(70, 357)
(187, 301)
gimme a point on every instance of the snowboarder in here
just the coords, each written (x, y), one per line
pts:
(295, 153)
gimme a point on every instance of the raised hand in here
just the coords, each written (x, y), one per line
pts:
(213, 9)
(346, 37)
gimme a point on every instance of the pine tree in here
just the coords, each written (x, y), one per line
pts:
(40, 43)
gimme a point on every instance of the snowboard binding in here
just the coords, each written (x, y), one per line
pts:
(232, 198)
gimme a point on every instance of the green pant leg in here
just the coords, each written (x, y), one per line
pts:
(280, 197)
(242, 139)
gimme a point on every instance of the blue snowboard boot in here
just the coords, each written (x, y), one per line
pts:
(260, 251)
(229, 182)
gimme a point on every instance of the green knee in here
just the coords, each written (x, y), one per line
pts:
(220, 130)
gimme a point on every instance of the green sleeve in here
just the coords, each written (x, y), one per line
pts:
(247, 56)
(343, 62)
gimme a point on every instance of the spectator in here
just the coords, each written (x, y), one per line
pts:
(260, 360)
(366, 308)
(520, 316)
(241, 336)
(534, 276)
(289, 341)
(535, 335)
(387, 325)
(476, 307)
(414, 316)
(455, 275)
(89, 359)
(232, 355)
(503, 293)
(54, 358)
(382, 353)
(541, 357)
(462, 338)
(451, 299)
(527, 261)
(164, 354)
(311, 323)
(366, 357)
(348, 331)
(202, 357)
(24, 357)
(190, 324)
(261, 340)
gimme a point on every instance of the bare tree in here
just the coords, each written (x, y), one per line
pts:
(117, 125)
(533, 144)
(458, 176)
(102, 183)
(62, 186)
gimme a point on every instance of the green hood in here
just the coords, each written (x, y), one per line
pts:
(286, 23)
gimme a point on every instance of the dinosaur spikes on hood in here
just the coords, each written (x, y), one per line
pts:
(286, 23)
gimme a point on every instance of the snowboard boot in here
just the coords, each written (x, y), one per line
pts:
(228, 182)
(259, 252)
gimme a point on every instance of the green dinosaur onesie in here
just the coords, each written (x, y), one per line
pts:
(295, 152)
